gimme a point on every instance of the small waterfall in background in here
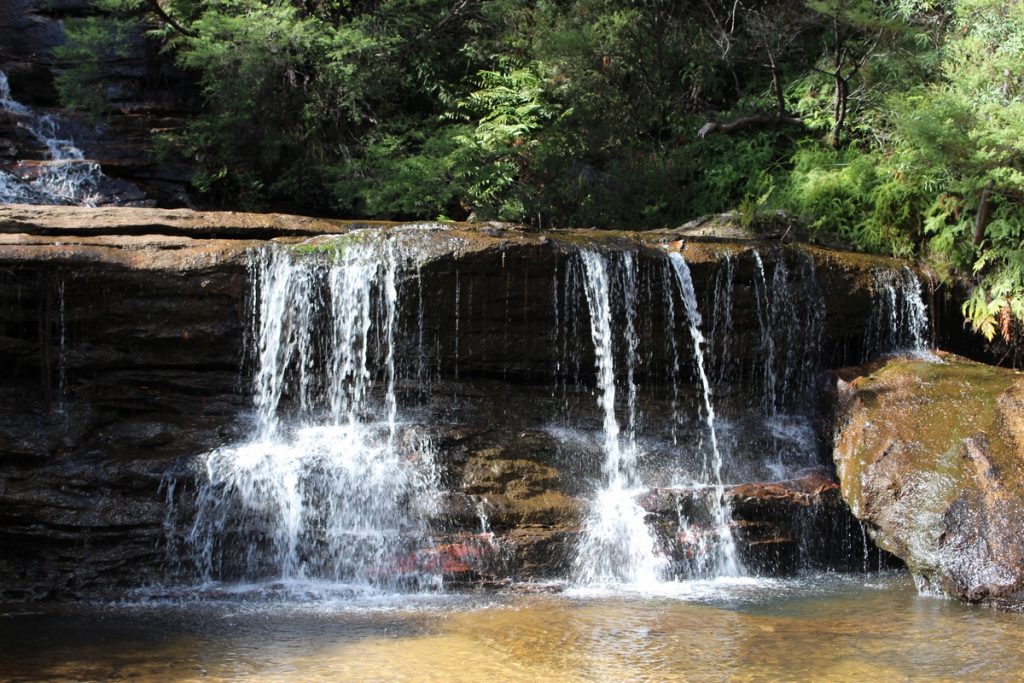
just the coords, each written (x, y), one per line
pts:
(332, 487)
(65, 177)
(617, 545)
(899, 318)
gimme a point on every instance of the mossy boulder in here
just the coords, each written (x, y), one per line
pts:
(930, 456)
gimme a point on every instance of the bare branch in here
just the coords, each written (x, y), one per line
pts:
(751, 121)
(732, 19)
(857, 64)
(169, 20)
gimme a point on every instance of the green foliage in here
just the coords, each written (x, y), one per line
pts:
(967, 132)
(852, 196)
(586, 112)
(931, 150)
(509, 108)
(283, 89)
(409, 175)
(92, 41)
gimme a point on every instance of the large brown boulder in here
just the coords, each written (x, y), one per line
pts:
(931, 458)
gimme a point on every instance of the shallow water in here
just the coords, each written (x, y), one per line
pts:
(863, 627)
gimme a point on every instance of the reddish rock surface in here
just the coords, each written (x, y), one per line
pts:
(931, 458)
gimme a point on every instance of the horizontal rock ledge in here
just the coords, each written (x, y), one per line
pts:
(121, 355)
(110, 227)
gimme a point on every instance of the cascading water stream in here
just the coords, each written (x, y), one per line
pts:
(629, 296)
(617, 545)
(66, 177)
(899, 321)
(336, 486)
(721, 360)
(764, 319)
(332, 488)
(724, 560)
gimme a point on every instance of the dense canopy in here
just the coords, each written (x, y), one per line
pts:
(895, 126)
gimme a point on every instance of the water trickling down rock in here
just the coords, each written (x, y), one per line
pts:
(52, 169)
(899, 321)
(332, 487)
(422, 409)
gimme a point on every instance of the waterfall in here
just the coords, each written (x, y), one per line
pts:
(764, 320)
(899, 317)
(797, 315)
(66, 177)
(723, 561)
(333, 486)
(721, 359)
(617, 545)
(790, 314)
(339, 483)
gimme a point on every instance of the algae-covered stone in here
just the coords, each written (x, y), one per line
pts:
(930, 456)
(487, 473)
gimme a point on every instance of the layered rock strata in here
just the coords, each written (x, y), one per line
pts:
(123, 341)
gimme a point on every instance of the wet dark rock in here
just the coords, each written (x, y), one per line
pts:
(123, 337)
(487, 472)
(930, 459)
(524, 524)
(780, 527)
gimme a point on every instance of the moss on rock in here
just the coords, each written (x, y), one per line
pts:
(930, 458)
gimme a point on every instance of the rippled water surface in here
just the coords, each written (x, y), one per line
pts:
(823, 628)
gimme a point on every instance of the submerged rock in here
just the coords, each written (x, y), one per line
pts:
(780, 527)
(930, 456)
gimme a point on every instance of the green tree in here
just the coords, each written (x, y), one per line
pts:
(895, 126)
(964, 137)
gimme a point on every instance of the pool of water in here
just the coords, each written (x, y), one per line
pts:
(830, 627)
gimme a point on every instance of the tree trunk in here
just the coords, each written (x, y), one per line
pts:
(839, 105)
(984, 214)
(777, 85)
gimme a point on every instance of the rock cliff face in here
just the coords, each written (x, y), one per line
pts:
(147, 96)
(29, 31)
(931, 459)
(123, 337)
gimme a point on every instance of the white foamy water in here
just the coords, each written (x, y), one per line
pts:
(332, 487)
(65, 177)
(617, 546)
(731, 588)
